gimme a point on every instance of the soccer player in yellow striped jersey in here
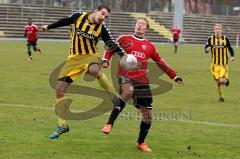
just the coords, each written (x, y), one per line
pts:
(218, 44)
(83, 56)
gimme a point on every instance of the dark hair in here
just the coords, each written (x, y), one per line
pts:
(104, 7)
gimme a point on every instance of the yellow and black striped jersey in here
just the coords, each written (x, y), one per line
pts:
(219, 46)
(85, 35)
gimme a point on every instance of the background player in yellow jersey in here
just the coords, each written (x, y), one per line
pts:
(218, 45)
(83, 55)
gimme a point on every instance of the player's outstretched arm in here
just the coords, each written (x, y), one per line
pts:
(62, 22)
(106, 58)
(165, 68)
(229, 46)
(208, 46)
(112, 45)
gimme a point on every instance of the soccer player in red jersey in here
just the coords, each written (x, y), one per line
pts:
(135, 81)
(176, 34)
(31, 32)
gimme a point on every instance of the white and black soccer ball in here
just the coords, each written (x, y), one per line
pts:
(128, 62)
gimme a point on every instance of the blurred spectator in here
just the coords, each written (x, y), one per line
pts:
(57, 3)
(117, 5)
(198, 6)
(208, 7)
(13, 1)
(124, 5)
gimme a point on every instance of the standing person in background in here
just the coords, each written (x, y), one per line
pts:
(218, 45)
(176, 35)
(31, 32)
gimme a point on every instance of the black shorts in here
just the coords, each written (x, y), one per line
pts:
(175, 41)
(32, 43)
(142, 94)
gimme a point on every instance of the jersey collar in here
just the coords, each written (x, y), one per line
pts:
(137, 37)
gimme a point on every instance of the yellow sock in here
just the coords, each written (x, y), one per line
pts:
(220, 91)
(61, 111)
(105, 84)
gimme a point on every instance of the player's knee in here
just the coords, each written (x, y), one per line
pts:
(146, 115)
(59, 92)
(94, 70)
(35, 49)
(222, 80)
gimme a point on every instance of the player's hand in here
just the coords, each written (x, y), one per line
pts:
(44, 28)
(179, 80)
(138, 67)
(232, 59)
(105, 63)
(207, 49)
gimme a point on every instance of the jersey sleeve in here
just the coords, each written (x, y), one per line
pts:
(229, 46)
(208, 43)
(110, 42)
(36, 27)
(162, 64)
(65, 21)
(108, 53)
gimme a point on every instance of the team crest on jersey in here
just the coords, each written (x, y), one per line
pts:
(144, 47)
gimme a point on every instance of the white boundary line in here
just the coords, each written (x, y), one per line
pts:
(184, 121)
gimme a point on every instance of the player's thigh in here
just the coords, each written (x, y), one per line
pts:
(29, 45)
(34, 44)
(72, 68)
(142, 97)
(223, 72)
(61, 86)
(125, 86)
(126, 89)
(175, 41)
(215, 70)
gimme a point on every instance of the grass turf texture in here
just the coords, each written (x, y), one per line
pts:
(26, 125)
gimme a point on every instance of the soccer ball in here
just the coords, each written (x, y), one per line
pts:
(128, 62)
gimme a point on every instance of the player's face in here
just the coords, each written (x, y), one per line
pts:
(218, 31)
(140, 27)
(100, 15)
(29, 21)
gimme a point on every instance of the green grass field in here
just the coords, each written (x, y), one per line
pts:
(27, 117)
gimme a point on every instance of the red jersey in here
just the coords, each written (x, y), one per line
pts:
(143, 50)
(176, 32)
(31, 32)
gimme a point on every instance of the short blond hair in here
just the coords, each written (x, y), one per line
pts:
(218, 25)
(145, 19)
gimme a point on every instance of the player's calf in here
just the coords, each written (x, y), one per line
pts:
(36, 49)
(118, 107)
